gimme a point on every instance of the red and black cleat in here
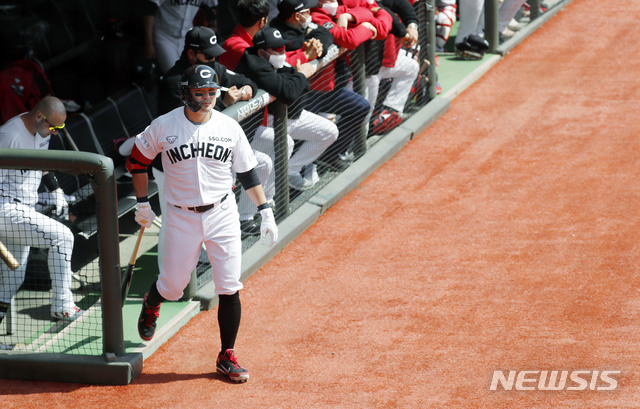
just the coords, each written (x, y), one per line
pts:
(228, 365)
(383, 121)
(147, 321)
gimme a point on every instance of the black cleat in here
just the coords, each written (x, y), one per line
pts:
(147, 321)
(228, 365)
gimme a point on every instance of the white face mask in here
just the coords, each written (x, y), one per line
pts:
(306, 23)
(331, 8)
(277, 60)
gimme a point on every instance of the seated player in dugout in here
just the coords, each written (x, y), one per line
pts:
(21, 225)
(265, 64)
(307, 41)
(253, 16)
(389, 59)
(201, 47)
(200, 149)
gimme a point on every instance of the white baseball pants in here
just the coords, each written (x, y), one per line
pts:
(185, 233)
(404, 73)
(318, 133)
(471, 19)
(22, 227)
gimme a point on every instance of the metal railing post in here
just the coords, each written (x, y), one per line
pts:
(108, 233)
(534, 9)
(281, 164)
(427, 38)
(491, 33)
(359, 144)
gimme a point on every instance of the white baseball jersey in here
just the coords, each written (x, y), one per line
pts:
(20, 184)
(198, 159)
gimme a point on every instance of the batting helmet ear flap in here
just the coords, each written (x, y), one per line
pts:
(197, 76)
(188, 100)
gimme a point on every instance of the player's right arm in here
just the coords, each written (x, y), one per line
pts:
(140, 184)
(137, 165)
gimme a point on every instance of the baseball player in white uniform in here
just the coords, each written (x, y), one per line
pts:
(200, 148)
(21, 226)
(166, 22)
(471, 14)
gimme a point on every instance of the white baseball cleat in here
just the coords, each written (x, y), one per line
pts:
(298, 182)
(311, 173)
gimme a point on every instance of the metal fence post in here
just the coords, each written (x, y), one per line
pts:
(359, 144)
(108, 233)
(427, 40)
(534, 9)
(491, 33)
(281, 165)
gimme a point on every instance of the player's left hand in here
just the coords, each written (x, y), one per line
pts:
(268, 227)
(61, 205)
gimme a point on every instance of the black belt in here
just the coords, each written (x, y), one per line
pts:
(204, 208)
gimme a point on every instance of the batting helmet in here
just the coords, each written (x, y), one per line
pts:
(197, 76)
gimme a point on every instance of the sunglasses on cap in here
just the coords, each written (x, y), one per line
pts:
(52, 127)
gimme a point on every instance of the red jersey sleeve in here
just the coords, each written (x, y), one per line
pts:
(294, 56)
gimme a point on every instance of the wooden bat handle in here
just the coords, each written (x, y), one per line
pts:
(8, 258)
(135, 248)
(70, 140)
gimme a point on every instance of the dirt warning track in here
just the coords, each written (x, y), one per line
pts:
(505, 237)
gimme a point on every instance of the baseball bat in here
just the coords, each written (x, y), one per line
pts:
(70, 140)
(8, 258)
(128, 274)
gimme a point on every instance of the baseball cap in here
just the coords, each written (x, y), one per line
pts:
(203, 39)
(288, 7)
(269, 37)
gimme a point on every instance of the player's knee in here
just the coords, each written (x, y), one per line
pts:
(265, 165)
(170, 291)
(66, 235)
(331, 133)
(413, 67)
(63, 239)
